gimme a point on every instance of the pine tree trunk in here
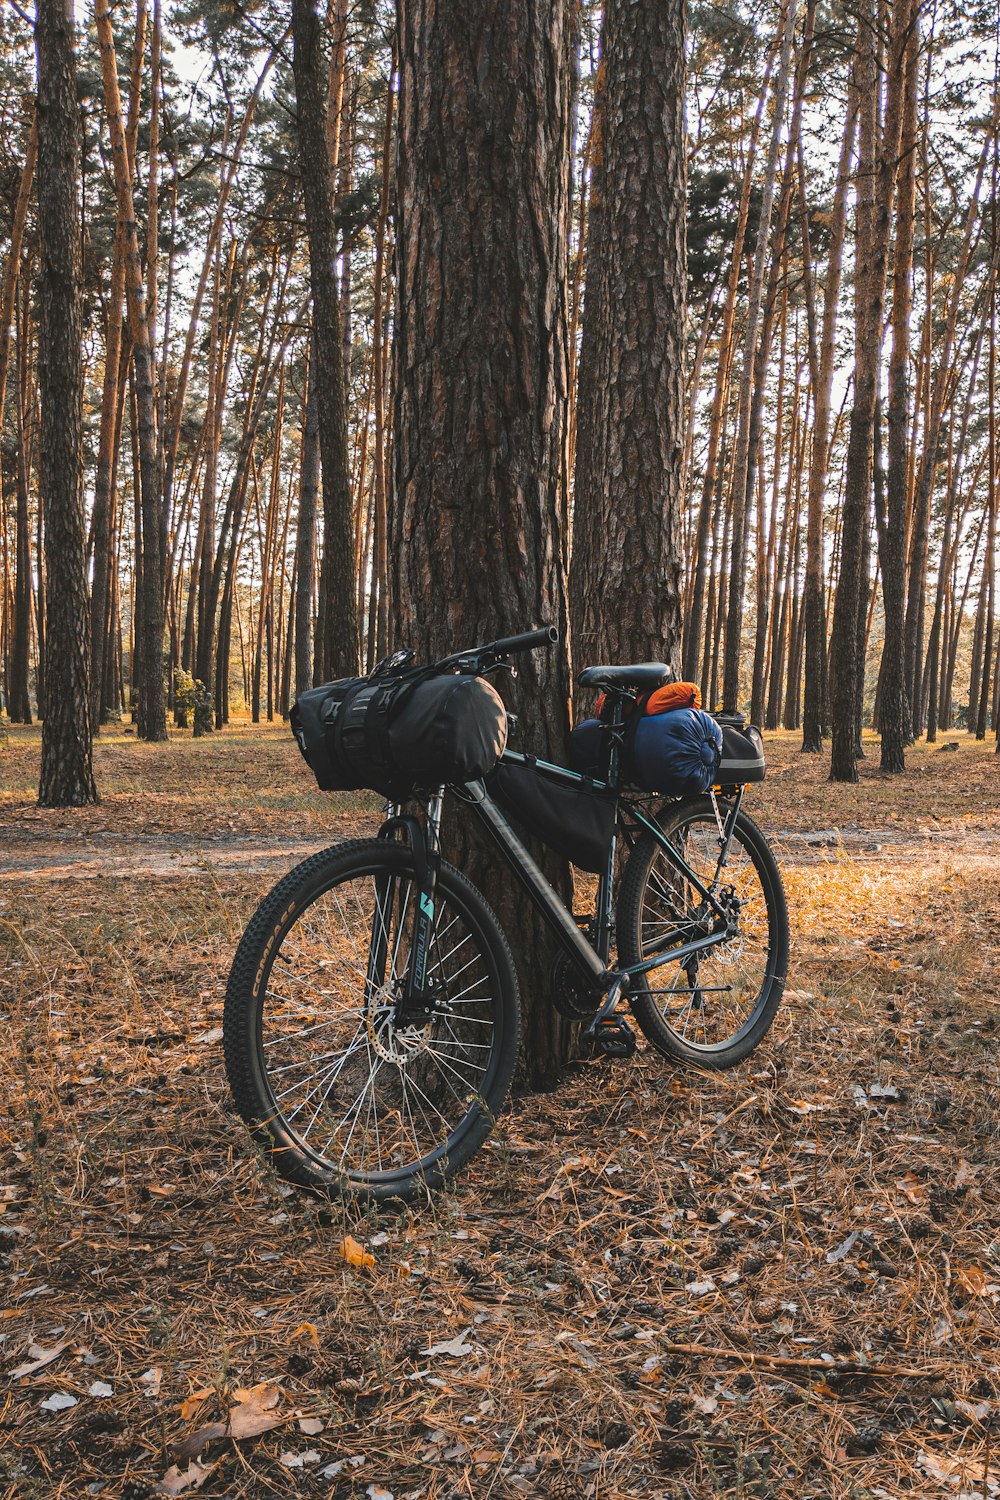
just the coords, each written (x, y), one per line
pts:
(876, 174)
(305, 538)
(625, 579)
(148, 680)
(337, 638)
(744, 470)
(481, 366)
(67, 777)
(814, 604)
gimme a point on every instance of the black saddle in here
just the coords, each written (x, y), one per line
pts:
(644, 675)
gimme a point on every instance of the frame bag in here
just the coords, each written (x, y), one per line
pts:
(395, 734)
(578, 823)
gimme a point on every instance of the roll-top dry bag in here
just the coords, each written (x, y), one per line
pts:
(400, 734)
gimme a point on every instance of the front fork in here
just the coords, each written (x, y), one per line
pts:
(415, 1005)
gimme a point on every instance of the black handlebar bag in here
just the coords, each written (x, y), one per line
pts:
(395, 734)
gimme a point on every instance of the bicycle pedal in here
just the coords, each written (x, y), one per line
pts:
(614, 1038)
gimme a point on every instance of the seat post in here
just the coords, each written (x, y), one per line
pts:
(614, 739)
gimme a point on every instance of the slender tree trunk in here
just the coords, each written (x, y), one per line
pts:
(704, 535)
(67, 777)
(305, 542)
(19, 704)
(814, 604)
(625, 580)
(894, 712)
(337, 643)
(151, 721)
(743, 466)
(876, 173)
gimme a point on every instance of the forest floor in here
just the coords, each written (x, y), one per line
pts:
(782, 1281)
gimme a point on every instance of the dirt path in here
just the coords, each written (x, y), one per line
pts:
(29, 854)
(106, 856)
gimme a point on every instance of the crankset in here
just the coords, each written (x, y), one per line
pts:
(571, 995)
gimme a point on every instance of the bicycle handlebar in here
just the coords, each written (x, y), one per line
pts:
(530, 640)
(494, 651)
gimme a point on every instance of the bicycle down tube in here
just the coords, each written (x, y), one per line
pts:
(554, 910)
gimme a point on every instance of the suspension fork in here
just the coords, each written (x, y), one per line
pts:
(416, 1005)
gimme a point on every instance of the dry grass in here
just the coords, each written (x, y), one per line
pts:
(637, 1209)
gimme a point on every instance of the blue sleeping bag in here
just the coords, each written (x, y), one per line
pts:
(676, 753)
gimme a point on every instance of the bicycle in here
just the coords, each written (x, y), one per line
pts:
(372, 1013)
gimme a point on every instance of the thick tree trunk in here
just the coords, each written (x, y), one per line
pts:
(67, 777)
(337, 638)
(625, 580)
(481, 366)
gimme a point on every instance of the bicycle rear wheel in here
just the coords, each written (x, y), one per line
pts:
(714, 1008)
(343, 1098)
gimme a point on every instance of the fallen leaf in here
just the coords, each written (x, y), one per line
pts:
(704, 1405)
(953, 1470)
(189, 1407)
(174, 1482)
(151, 1380)
(197, 1442)
(355, 1254)
(310, 1426)
(101, 1388)
(308, 1331)
(456, 1347)
(40, 1357)
(976, 1411)
(58, 1401)
(207, 1037)
(914, 1189)
(254, 1412)
(832, 1256)
(966, 1174)
(165, 1191)
(700, 1288)
(299, 1460)
(974, 1279)
(376, 1492)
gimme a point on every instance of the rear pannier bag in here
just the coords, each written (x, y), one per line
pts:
(676, 753)
(395, 734)
(742, 755)
(578, 823)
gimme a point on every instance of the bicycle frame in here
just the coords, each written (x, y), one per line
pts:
(590, 958)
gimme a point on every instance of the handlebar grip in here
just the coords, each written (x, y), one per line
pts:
(529, 640)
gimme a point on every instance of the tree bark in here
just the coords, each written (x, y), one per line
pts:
(814, 604)
(625, 578)
(743, 472)
(67, 777)
(481, 375)
(151, 723)
(876, 175)
(337, 638)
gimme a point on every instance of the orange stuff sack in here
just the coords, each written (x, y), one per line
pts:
(673, 695)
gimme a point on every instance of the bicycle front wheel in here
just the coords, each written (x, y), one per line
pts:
(343, 1098)
(715, 1007)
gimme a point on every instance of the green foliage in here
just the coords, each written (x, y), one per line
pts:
(192, 697)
